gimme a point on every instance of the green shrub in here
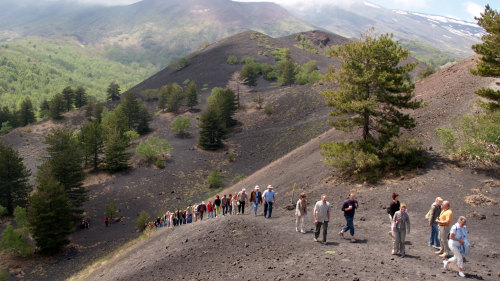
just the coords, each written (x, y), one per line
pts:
(150, 94)
(448, 139)
(111, 210)
(232, 59)
(3, 211)
(154, 148)
(181, 125)
(142, 220)
(160, 163)
(214, 179)
(308, 73)
(268, 109)
(403, 152)
(16, 240)
(131, 135)
(230, 157)
(4, 275)
(247, 60)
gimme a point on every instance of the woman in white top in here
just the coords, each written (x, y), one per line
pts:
(458, 238)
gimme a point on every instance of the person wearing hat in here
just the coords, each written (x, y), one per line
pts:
(256, 198)
(242, 199)
(268, 197)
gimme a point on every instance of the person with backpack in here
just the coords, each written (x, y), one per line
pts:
(432, 216)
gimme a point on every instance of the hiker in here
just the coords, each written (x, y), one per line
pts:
(106, 221)
(457, 243)
(321, 217)
(217, 203)
(444, 222)
(234, 204)
(268, 197)
(179, 217)
(301, 213)
(242, 199)
(189, 214)
(224, 204)
(349, 208)
(392, 209)
(202, 208)
(401, 227)
(256, 199)
(210, 209)
(196, 212)
(229, 205)
(433, 215)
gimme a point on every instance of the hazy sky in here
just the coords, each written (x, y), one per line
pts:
(462, 9)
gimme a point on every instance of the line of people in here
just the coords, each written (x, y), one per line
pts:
(227, 205)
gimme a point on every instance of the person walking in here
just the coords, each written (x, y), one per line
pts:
(242, 199)
(444, 222)
(217, 203)
(393, 208)
(434, 213)
(106, 221)
(321, 217)
(189, 214)
(210, 209)
(196, 212)
(229, 205)
(458, 239)
(268, 197)
(401, 225)
(349, 208)
(202, 208)
(256, 199)
(224, 204)
(301, 213)
(234, 204)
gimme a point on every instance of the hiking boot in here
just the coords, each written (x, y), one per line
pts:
(461, 273)
(341, 233)
(315, 240)
(440, 252)
(353, 240)
(297, 229)
(393, 252)
(444, 255)
(445, 264)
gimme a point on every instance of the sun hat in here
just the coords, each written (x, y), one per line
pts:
(256, 187)
(270, 186)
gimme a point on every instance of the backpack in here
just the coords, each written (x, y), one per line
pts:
(428, 215)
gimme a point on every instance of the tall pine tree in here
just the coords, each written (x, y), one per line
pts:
(489, 61)
(69, 96)
(213, 129)
(113, 92)
(191, 95)
(14, 179)
(81, 98)
(57, 107)
(50, 214)
(64, 161)
(92, 141)
(26, 112)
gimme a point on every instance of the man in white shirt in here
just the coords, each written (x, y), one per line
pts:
(321, 217)
(268, 198)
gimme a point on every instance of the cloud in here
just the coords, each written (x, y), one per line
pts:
(410, 4)
(473, 9)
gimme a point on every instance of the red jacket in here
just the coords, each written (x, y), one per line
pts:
(210, 207)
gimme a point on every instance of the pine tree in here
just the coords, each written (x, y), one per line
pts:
(57, 106)
(489, 61)
(191, 95)
(14, 179)
(224, 101)
(44, 109)
(80, 97)
(213, 129)
(131, 106)
(162, 96)
(26, 113)
(113, 92)
(373, 87)
(92, 140)
(50, 214)
(287, 71)
(144, 117)
(248, 75)
(175, 96)
(64, 161)
(69, 95)
(98, 109)
(116, 158)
